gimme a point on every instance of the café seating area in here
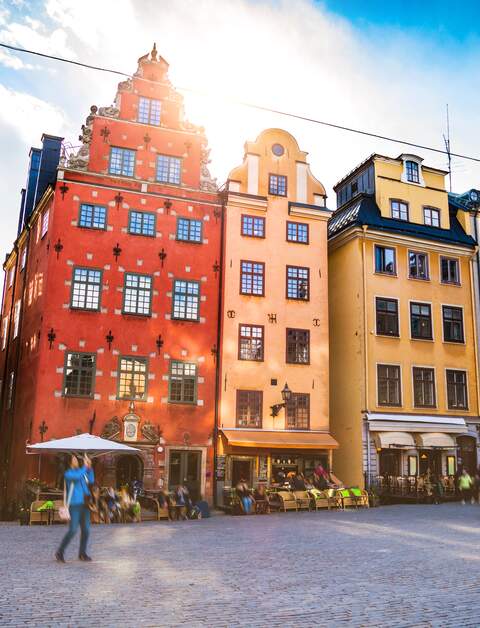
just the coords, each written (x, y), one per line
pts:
(414, 488)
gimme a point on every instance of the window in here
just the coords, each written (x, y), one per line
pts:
(86, 287)
(137, 294)
(253, 226)
(149, 111)
(421, 321)
(457, 390)
(16, 317)
(141, 223)
(132, 378)
(412, 465)
(93, 216)
(11, 273)
(277, 185)
(431, 216)
(412, 171)
(298, 283)
(297, 232)
(417, 265)
(451, 465)
(449, 270)
(423, 387)
(45, 218)
(23, 259)
(122, 161)
(385, 260)
(79, 374)
(388, 377)
(252, 278)
(387, 316)
(452, 324)
(298, 346)
(168, 169)
(189, 230)
(11, 381)
(297, 412)
(186, 300)
(249, 408)
(182, 382)
(250, 342)
(399, 210)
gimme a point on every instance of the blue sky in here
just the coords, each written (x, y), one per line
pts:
(389, 67)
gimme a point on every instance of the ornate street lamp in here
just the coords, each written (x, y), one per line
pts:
(286, 396)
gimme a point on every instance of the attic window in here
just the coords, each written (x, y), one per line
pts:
(412, 170)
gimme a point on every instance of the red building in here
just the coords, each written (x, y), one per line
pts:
(110, 309)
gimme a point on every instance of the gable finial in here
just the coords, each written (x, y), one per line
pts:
(154, 52)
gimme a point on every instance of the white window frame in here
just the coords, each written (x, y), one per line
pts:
(416, 159)
(431, 209)
(16, 317)
(466, 409)
(45, 219)
(435, 389)
(379, 405)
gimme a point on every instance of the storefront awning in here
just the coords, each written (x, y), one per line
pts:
(397, 422)
(433, 439)
(280, 440)
(391, 440)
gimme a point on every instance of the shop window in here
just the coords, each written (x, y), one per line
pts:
(149, 111)
(79, 375)
(389, 463)
(385, 261)
(169, 169)
(253, 226)
(92, 216)
(387, 316)
(388, 384)
(137, 294)
(431, 216)
(297, 232)
(399, 209)
(298, 283)
(186, 300)
(457, 398)
(189, 230)
(86, 289)
(252, 278)
(297, 412)
(452, 324)
(451, 465)
(182, 382)
(449, 270)
(412, 466)
(421, 321)
(132, 378)
(250, 342)
(298, 346)
(277, 185)
(423, 387)
(417, 265)
(249, 408)
(122, 161)
(141, 223)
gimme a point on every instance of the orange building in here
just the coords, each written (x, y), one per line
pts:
(274, 320)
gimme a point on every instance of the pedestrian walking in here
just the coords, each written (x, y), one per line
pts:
(465, 485)
(77, 482)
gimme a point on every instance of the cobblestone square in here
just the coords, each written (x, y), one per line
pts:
(391, 566)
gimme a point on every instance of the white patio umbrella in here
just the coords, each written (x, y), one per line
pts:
(94, 446)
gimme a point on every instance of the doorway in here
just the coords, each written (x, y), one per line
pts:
(185, 468)
(128, 469)
(389, 463)
(430, 460)
(242, 469)
(467, 453)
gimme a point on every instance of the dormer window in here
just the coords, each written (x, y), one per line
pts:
(412, 170)
(399, 209)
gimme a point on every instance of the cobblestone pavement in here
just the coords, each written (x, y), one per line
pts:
(391, 566)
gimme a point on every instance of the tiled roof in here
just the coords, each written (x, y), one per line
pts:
(364, 211)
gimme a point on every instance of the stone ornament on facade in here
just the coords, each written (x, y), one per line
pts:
(151, 432)
(109, 112)
(81, 159)
(112, 429)
(207, 182)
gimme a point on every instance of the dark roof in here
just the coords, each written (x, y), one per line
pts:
(363, 210)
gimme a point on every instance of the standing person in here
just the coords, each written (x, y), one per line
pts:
(243, 493)
(465, 485)
(77, 481)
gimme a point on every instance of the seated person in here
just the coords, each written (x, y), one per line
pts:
(261, 500)
(244, 494)
(298, 482)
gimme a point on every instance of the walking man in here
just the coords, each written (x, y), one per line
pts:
(77, 482)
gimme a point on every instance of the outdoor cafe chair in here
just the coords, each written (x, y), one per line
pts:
(303, 500)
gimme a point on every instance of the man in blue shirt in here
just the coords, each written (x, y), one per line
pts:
(77, 482)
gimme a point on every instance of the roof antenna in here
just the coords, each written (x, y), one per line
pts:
(447, 147)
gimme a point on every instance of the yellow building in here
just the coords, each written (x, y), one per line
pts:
(275, 317)
(403, 368)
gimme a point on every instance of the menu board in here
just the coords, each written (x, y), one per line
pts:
(221, 460)
(262, 468)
